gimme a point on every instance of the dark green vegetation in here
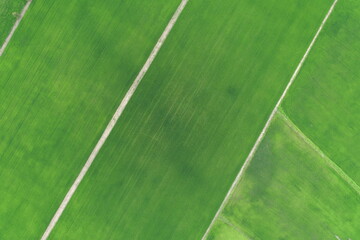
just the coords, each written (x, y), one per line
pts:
(292, 189)
(9, 9)
(61, 79)
(174, 153)
(290, 192)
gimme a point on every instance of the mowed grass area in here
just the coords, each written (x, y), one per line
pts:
(324, 101)
(290, 192)
(61, 79)
(8, 11)
(173, 155)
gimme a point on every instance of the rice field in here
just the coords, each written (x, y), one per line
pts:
(303, 181)
(174, 152)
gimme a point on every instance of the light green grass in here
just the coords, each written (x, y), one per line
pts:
(173, 155)
(9, 9)
(224, 231)
(324, 101)
(61, 79)
(290, 192)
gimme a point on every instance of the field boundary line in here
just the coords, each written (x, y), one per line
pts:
(15, 26)
(268, 122)
(327, 160)
(236, 228)
(114, 119)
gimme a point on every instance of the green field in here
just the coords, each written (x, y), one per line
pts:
(8, 12)
(224, 230)
(62, 77)
(174, 153)
(291, 190)
(324, 101)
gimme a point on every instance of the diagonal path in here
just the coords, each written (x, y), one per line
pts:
(114, 119)
(16, 25)
(237, 229)
(268, 122)
(328, 161)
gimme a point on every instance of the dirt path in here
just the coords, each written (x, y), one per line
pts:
(114, 119)
(16, 25)
(263, 132)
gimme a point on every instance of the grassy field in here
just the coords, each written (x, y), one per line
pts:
(224, 230)
(290, 192)
(173, 155)
(8, 11)
(61, 79)
(182, 139)
(324, 101)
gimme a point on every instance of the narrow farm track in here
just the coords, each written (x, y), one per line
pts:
(328, 161)
(16, 25)
(268, 123)
(114, 120)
